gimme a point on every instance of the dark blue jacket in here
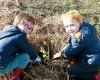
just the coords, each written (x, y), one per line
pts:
(87, 50)
(13, 41)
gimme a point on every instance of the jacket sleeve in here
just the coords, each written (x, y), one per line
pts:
(26, 47)
(73, 48)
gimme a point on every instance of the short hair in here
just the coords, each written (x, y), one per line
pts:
(73, 14)
(21, 17)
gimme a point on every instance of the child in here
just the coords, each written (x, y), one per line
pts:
(83, 47)
(15, 50)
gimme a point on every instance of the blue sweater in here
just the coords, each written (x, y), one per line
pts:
(13, 41)
(87, 50)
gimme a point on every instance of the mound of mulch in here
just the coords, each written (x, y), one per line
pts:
(49, 70)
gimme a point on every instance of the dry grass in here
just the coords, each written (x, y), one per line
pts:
(50, 70)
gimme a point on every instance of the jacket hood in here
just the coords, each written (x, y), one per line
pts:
(10, 30)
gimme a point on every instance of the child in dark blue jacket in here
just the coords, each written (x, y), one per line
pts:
(83, 46)
(15, 50)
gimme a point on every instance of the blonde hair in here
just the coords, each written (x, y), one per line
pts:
(21, 18)
(73, 14)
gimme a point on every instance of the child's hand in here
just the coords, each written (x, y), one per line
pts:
(38, 60)
(57, 55)
(71, 61)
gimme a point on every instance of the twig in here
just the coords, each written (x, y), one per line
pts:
(28, 76)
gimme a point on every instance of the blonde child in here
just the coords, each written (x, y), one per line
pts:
(83, 47)
(15, 50)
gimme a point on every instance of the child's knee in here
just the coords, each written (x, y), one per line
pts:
(26, 57)
(24, 60)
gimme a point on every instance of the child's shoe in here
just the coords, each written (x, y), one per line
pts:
(98, 76)
(15, 75)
